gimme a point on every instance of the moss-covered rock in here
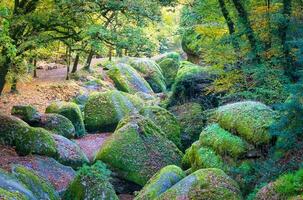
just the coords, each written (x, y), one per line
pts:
(13, 187)
(27, 113)
(103, 111)
(127, 79)
(7, 195)
(10, 128)
(164, 120)
(57, 124)
(192, 121)
(191, 84)
(91, 183)
(69, 153)
(222, 141)
(171, 55)
(138, 149)
(160, 182)
(191, 45)
(151, 72)
(204, 184)
(250, 120)
(36, 184)
(170, 69)
(36, 141)
(285, 187)
(72, 112)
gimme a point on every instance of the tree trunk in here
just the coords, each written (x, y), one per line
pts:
(14, 86)
(75, 66)
(110, 54)
(3, 72)
(230, 25)
(89, 60)
(288, 60)
(268, 16)
(243, 15)
(35, 68)
(68, 56)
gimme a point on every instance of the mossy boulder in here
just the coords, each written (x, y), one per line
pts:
(192, 85)
(36, 141)
(170, 69)
(151, 72)
(72, 112)
(5, 194)
(127, 79)
(10, 128)
(40, 188)
(57, 124)
(171, 55)
(13, 187)
(250, 120)
(160, 182)
(222, 141)
(192, 121)
(164, 120)
(285, 187)
(198, 157)
(204, 184)
(138, 149)
(27, 113)
(91, 183)
(69, 153)
(103, 111)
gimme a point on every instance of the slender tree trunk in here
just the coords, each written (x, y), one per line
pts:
(230, 25)
(3, 72)
(288, 60)
(35, 68)
(14, 86)
(89, 60)
(110, 54)
(75, 66)
(268, 16)
(68, 56)
(243, 15)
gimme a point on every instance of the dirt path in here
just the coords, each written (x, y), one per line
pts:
(51, 85)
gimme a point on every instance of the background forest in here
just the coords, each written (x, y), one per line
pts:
(229, 68)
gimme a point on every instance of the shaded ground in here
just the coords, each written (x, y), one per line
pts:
(91, 143)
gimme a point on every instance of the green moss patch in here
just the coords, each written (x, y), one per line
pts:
(160, 182)
(127, 79)
(204, 184)
(27, 113)
(165, 120)
(72, 112)
(138, 149)
(39, 187)
(222, 141)
(151, 72)
(91, 183)
(250, 120)
(169, 68)
(103, 111)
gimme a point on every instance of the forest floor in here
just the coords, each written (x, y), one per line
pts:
(50, 85)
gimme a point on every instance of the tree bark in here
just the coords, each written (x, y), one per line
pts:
(75, 66)
(243, 15)
(110, 54)
(14, 86)
(35, 69)
(68, 56)
(3, 72)
(89, 60)
(230, 25)
(288, 60)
